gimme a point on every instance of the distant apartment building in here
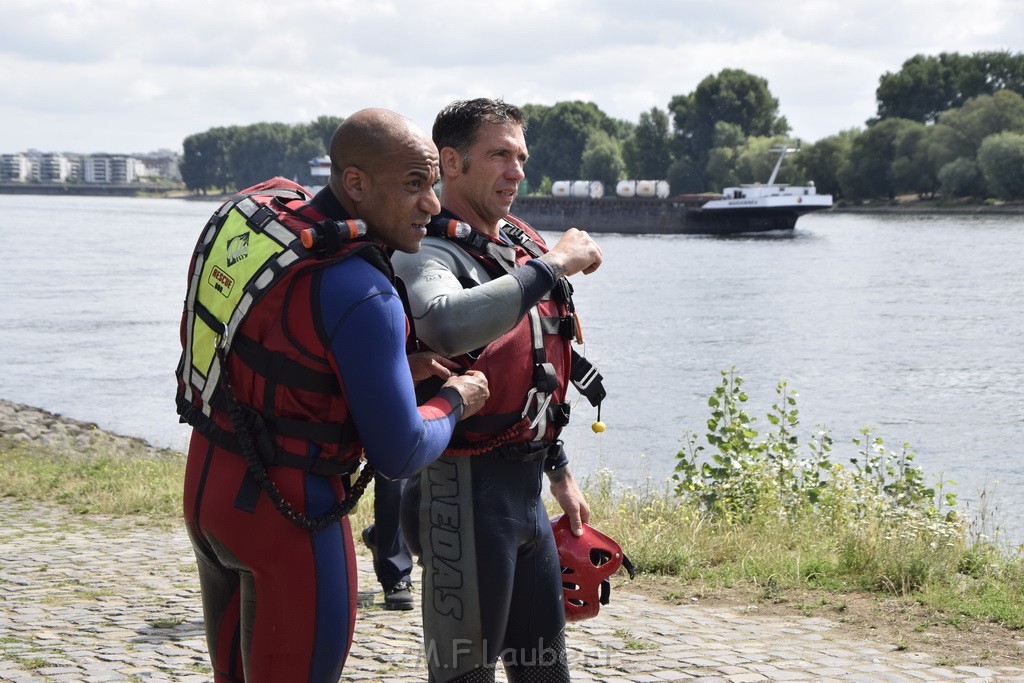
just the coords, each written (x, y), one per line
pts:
(15, 168)
(114, 169)
(54, 168)
(34, 166)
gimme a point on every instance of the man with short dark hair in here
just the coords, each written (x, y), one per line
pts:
(487, 292)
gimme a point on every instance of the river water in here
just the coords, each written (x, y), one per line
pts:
(910, 325)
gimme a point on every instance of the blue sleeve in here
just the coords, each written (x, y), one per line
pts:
(366, 328)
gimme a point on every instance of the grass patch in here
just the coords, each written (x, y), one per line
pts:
(631, 643)
(30, 663)
(665, 536)
(762, 512)
(109, 476)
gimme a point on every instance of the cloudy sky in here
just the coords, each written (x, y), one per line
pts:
(139, 75)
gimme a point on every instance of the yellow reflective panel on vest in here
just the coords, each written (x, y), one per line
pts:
(236, 256)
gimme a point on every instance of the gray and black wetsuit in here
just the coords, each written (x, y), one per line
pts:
(492, 587)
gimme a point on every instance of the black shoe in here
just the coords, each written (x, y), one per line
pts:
(399, 596)
(370, 540)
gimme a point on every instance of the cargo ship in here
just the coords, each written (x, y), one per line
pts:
(647, 207)
(642, 207)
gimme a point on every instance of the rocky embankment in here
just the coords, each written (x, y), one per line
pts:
(25, 423)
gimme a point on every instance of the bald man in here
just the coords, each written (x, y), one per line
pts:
(321, 363)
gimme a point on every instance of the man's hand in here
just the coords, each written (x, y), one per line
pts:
(472, 386)
(575, 252)
(570, 498)
(425, 364)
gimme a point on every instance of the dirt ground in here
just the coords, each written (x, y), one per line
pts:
(953, 640)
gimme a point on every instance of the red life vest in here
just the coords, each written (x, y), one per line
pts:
(528, 367)
(278, 368)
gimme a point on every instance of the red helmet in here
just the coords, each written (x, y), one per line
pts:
(587, 562)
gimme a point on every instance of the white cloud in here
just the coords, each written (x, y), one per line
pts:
(111, 75)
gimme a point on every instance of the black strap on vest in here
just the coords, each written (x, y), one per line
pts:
(277, 369)
(519, 236)
(587, 380)
(281, 369)
(262, 443)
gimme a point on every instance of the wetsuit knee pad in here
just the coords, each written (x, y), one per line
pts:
(547, 664)
(484, 674)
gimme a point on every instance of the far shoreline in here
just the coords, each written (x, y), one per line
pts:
(901, 205)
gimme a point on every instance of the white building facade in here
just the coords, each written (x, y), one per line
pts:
(33, 166)
(15, 168)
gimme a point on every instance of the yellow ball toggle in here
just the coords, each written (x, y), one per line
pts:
(598, 426)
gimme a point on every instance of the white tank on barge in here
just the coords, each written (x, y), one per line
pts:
(578, 189)
(642, 188)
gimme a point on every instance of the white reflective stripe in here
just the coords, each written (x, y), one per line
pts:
(211, 384)
(286, 258)
(279, 233)
(266, 276)
(245, 304)
(209, 236)
(190, 306)
(274, 229)
(197, 379)
(190, 322)
(224, 210)
(248, 206)
(536, 330)
(261, 281)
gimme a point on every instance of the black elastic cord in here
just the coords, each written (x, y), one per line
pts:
(259, 472)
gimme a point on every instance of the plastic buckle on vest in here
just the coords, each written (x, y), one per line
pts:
(567, 326)
(559, 414)
(262, 217)
(562, 291)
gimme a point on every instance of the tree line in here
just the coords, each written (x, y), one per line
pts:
(949, 125)
(235, 157)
